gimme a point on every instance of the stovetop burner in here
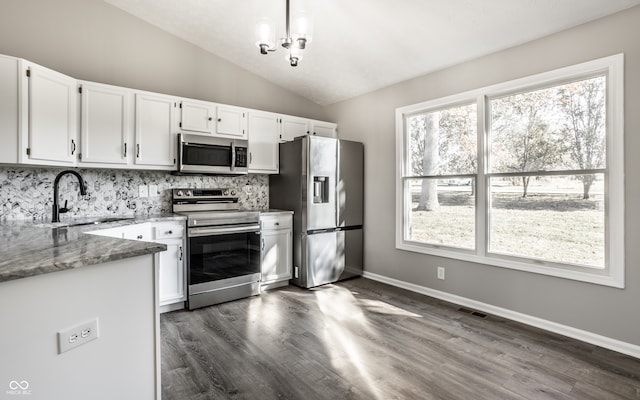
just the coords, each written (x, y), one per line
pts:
(211, 207)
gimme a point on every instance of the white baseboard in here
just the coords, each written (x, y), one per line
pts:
(585, 336)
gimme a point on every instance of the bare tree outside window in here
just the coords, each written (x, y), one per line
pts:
(443, 144)
(541, 134)
(583, 107)
(526, 174)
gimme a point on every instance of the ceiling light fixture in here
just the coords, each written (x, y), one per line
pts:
(299, 29)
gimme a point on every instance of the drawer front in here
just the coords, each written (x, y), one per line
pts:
(268, 222)
(137, 232)
(168, 231)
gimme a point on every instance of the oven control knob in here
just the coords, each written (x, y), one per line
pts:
(225, 192)
(180, 194)
(233, 192)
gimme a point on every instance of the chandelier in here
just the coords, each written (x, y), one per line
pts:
(298, 35)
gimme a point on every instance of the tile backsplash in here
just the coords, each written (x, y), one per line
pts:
(27, 193)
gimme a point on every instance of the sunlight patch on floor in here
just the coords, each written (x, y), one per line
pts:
(340, 311)
(381, 307)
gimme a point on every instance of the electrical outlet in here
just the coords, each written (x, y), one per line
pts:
(78, 335)
(441, 273)
(143, 191)
(248, 189)
(153, 191)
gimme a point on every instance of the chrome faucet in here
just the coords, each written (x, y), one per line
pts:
(56, 209)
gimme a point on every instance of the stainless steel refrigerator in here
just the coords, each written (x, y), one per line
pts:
(322, 180)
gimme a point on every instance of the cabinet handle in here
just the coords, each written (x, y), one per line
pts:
(277, 223)
(125, 149)
(73, 146)
(139, 237)
(262, 244)
(210, 119)
(169, 233)
(219, 119)
(250, 157)
(138, 150)
(180, 252)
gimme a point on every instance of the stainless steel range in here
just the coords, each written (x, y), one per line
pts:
(223, 246)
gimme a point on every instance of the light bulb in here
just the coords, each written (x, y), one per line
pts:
(265, 35)
(302, 28)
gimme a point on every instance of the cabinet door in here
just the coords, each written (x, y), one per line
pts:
(263, 143)
(52, 116)
(197, 116)
(231, 122)
(326, 129)
(276, 255)
(105, 125)
(292, 127)
(171, 286)
(156, 129)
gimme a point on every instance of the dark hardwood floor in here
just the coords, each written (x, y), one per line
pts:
(361, 339)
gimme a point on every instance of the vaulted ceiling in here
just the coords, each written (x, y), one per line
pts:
(362, 45)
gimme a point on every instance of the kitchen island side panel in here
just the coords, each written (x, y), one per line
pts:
(120, 363)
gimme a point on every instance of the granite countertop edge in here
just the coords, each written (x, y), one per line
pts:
(30, 249)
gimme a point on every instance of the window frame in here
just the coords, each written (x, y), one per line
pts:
(614, 272)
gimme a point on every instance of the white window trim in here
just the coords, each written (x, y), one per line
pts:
(614, 274)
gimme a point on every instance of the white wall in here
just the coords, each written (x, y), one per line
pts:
(371, 119)
(119, 364)
(92, 40)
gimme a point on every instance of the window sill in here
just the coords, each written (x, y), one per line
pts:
(605, 277)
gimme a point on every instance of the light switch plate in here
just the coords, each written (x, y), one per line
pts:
(153, 191)
(143, 191)
(77, 335)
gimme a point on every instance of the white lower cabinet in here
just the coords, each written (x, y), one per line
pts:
(172, 288)
(276, 249)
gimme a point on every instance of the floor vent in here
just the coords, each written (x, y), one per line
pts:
(472, 312)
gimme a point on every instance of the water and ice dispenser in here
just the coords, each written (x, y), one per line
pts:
(320, 189)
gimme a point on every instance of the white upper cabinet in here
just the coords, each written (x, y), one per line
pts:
(155, 130)
(50, 135)
(9, 110)
(292, 127)
(263, 142)
(231, 122)
(198, 116)
(47, 118)
(105, 124)
(321, 128)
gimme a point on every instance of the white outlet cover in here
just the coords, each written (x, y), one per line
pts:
(77, 335)
(153, 190)
(143, 191)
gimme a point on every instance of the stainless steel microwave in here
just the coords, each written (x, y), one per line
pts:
(198, 154)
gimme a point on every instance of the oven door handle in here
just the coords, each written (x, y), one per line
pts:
(197, 232)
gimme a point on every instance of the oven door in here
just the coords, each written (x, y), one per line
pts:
(223, 263)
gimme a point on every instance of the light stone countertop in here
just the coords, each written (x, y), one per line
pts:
(29, 249)
(274, 211)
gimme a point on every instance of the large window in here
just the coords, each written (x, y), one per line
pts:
(527, 174)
